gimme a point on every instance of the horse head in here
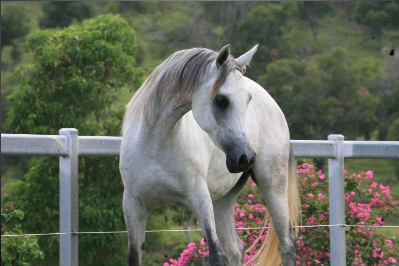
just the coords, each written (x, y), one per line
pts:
(221, 109)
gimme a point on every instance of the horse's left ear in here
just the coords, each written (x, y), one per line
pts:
(246, 58)
(223, 55)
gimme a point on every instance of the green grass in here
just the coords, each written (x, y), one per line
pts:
(389, 232)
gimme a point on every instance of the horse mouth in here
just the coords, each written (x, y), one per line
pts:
(239, 169)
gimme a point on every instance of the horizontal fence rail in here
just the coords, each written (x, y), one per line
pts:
(69, 146)
(97, 146)
(24, 144)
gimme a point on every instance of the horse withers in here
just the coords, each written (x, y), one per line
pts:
(192, 134)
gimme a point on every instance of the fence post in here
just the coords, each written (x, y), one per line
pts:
(69, 199)
(337, 203)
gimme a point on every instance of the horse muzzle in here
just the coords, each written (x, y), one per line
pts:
(241, 162)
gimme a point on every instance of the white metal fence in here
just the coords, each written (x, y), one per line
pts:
(69, 146)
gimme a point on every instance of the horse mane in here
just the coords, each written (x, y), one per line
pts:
(179, 76)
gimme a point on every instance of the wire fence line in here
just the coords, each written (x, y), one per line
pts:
(197, 230)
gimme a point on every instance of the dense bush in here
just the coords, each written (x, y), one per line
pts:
(16, 250)
(366, 203)
(75, 78)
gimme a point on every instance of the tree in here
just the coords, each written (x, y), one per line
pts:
(325, 97)
(313, 12)
(226, 15)
(263, 25)
(377, 16)
(76, 75)
(63, 13)
(14, 26)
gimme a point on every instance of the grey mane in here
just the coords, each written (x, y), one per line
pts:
(179, 76)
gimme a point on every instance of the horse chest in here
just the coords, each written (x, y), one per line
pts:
(219, 180)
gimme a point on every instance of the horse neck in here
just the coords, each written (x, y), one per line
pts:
(160, 128)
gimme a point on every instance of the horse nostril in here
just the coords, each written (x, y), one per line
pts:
(243, 161)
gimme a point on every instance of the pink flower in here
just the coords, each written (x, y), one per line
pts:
(310, 195)
(250, 196)
(374, 185)
(321, 196)
(321, 177)
(345, 172)
(379, 219)
(327, 254)
(311, 220)
(369, 175)
(392, 260)
(315, 184)
(11, 207)
(202, 242)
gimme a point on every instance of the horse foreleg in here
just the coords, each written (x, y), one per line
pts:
(225, 226)
(136, 219)
(200, 203)
(272, 179)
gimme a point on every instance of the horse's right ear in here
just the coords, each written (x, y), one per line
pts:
(222, 56)
(247, 57)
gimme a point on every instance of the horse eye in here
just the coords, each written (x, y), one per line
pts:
(221, 101)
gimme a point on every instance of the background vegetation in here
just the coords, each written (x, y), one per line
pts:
(332, 68)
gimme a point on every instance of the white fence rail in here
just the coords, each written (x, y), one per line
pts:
(69, 146)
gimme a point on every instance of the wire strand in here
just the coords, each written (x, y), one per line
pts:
(194, 230)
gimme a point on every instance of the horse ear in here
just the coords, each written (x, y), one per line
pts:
(246, 58)
(223, 55)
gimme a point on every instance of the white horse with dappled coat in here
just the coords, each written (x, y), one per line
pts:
(192, 134)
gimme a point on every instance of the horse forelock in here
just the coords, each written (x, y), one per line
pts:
(179, 75)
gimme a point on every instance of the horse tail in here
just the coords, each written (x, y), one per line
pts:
(268, 254)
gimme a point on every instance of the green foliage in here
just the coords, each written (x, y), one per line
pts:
(16, 250)
(323, 97)
(377, 15)
(393, 132)
(76, 75)
(312, 12)
(388, 111)
(14, 23)
(63, 13)
(263, 25)
(393, 135)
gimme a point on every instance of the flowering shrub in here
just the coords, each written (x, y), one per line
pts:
(365, 205)
(16, 250)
